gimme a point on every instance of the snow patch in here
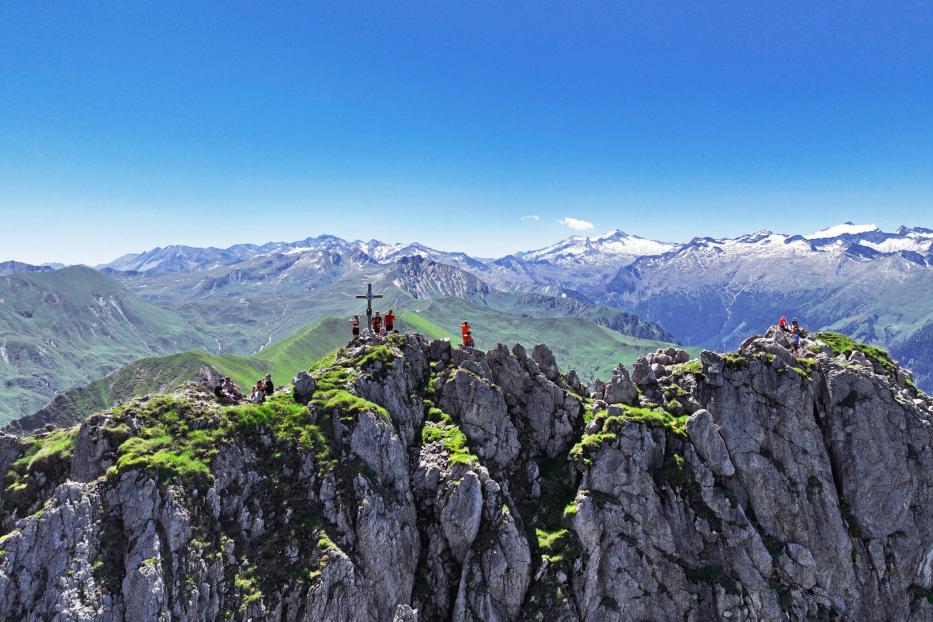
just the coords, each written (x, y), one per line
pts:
(844, 229)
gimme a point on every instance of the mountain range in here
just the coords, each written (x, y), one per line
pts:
(875, 285)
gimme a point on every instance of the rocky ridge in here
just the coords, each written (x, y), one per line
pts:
(408, 480)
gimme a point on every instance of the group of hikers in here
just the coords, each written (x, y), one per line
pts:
(381, 324)
(385, 324)
(795, 331)
(227, 391)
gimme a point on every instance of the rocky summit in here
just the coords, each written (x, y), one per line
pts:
(402, 479)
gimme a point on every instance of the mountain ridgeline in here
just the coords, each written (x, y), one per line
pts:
(875, 285)
(64, 330)
(403, 479)
(56, 334)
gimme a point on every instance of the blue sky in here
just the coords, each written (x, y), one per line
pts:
(125, 126)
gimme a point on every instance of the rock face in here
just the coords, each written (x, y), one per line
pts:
(413, 481)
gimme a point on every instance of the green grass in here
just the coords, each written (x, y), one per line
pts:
(551, 543)
(96, 326)
(47, 459)
(347, 404)
(804, 367)
(609, 426)
(160, 374)
(414, 322)
(735, 360)
(172, 448)
(453, 439)
(846, 345)
(376, 354)
(593, 350)
(57, 445)
(288, 423)
(690, 367)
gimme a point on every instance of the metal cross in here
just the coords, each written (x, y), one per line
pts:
(369, 305)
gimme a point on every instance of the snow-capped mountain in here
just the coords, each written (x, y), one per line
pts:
(576, 263)
(874, 284)
(846, 228)
(614, 248)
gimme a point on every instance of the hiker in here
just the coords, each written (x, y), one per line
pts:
(258, 396)
(390, 321)
(782, 324)
(267, 386)
(465, 332)
(795, 331)
(377, 324)
(232, 390)
(355, 325)
(220, 393)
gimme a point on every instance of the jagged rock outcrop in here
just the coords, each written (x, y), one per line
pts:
(407, 480)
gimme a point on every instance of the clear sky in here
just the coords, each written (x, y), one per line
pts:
(129, 125)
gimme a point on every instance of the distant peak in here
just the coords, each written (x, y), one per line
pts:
(616, 233)
(846, 228)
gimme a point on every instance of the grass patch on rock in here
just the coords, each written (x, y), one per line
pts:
(844, 344)
(452, 438)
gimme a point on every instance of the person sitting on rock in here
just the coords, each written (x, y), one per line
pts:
(267, 386)
(220, 393)
(258, 396)
(355, 325)
(232, 390)
(795, 331)
(377, 324)
(782, 324)
(390, 321)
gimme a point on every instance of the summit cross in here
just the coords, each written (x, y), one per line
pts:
(369, 305)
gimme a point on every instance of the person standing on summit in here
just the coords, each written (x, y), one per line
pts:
(466, 334)
(390, 321)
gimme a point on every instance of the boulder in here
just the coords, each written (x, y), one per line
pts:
(621, 389)
(542, 355)
(305, 385)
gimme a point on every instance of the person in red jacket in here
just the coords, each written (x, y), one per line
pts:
(377, 324)
(782, 323)
(390, 321)
(466, 334)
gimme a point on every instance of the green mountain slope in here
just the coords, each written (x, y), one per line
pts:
(591, 349)
(159, 374)
(65, 328)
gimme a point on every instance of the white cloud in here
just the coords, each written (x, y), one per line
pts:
(576, 224)
(534, 217)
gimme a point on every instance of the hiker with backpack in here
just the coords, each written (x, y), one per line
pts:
(267, 386)
(377, 324)
(355, 325)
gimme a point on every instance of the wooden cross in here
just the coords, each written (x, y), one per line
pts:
(369, 304)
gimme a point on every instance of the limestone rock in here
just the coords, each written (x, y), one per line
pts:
(465, 485)
(305, 386)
